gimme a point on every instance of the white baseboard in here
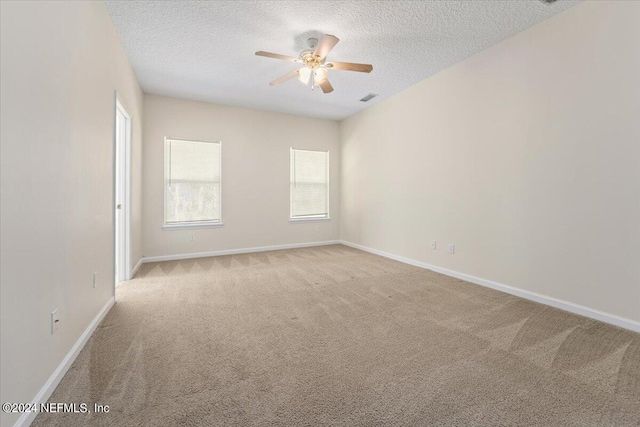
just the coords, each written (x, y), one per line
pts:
(612, 319)
(236, 251)
(45, 392)
(136, 268)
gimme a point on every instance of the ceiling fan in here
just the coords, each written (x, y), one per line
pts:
(316, 70)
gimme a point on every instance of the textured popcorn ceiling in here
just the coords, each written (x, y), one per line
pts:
(205, 50)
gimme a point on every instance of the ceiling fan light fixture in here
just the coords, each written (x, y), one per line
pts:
(319, 75)
(304, 75)
(315, 65)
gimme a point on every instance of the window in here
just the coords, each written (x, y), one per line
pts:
(192, 187)
(309, 184)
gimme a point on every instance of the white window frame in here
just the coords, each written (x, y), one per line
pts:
(309, 218)
(194, 224)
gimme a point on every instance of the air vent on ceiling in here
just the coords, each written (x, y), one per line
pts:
(369, 97)
(548, 1)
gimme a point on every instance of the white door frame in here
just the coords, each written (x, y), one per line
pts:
(125, 223)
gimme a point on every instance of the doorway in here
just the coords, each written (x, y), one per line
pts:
(122, 267)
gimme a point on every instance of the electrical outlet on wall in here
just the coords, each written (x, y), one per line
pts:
(433, 245)
(452, 248)
(192, 237)
(55, 320)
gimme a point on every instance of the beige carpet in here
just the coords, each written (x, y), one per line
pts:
(335, 336)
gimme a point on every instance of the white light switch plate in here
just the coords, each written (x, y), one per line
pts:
(452, 248)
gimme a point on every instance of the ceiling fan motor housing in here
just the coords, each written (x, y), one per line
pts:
(310, 60)
(307, 55)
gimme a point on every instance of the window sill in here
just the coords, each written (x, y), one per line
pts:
(193, 225)
(308, 219)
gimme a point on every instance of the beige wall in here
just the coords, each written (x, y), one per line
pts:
(61, 63)
(255, 175)
(526, 156)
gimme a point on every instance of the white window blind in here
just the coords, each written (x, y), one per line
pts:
(309, 184)
(192, 182)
